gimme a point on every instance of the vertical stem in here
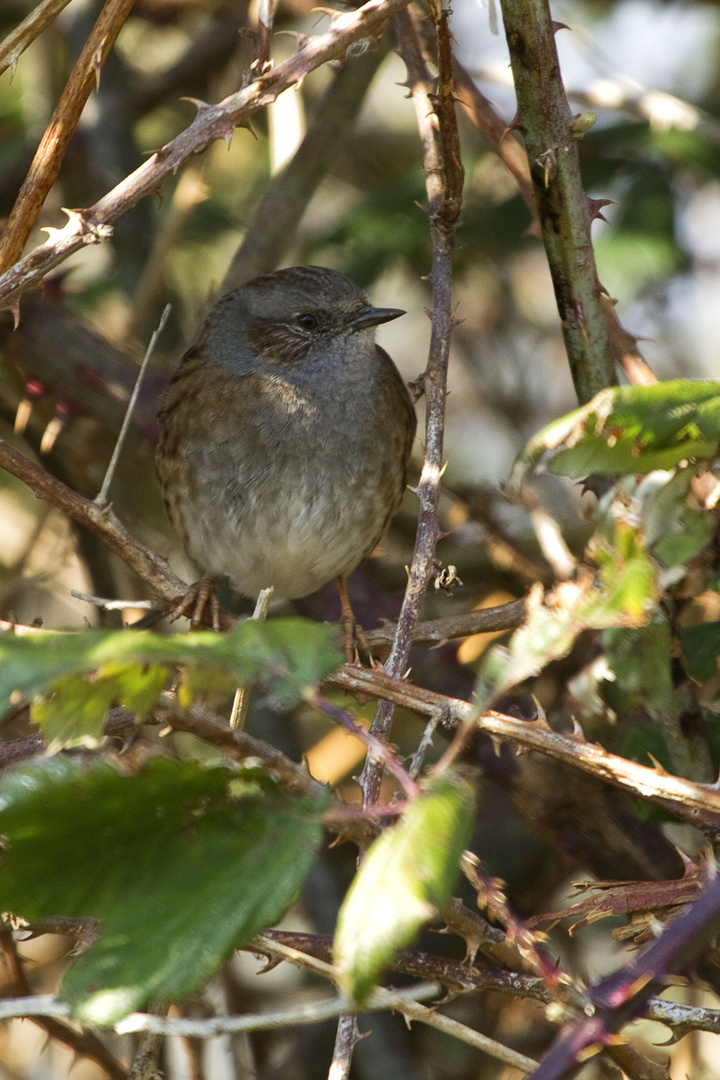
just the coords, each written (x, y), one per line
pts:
(551, 136)
(435, 111)
(345, 1039)
(263, 36)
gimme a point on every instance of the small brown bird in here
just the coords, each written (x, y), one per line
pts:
(285, 435)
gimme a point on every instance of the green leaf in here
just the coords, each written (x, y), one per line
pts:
(180, 864)
(630, 429)
(287, 655)
(694, 533)
(640, 660)
(701, 645)
(407, 874)
(628, 578)
(75, 712)
(644, 742)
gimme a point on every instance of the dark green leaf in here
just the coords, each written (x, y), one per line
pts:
(644, 742)
(181, 864)
(701, 645)
(407, 874)
(640, 660)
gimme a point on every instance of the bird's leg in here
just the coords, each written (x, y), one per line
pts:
(196, 599)
(352, 630)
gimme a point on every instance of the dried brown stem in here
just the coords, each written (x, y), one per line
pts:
(436, 631)
(263, 35)
(463, 976)
(51, 151)
(12, 47)
(698, 804)
(346, 1038)
(212, 122)
(437, 124)
(503, 142)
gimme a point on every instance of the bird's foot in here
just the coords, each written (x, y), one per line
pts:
(193, 604)
(353, 634)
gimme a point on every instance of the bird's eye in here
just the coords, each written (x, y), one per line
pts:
(307, 320)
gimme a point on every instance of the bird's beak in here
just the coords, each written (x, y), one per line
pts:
(373, 316)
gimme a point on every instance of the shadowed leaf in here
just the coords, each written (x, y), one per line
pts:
(180, 864)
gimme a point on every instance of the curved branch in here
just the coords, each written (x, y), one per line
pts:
(212, 122)
(51, 151)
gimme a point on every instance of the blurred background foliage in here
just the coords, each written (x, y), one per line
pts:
(649, 70)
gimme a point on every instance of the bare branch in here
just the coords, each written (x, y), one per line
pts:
(102, 522)
(303, 1014)
(83, 1043)
(436, 631)
(437, 124)
(12, 47)
(698, 804)
(212, 122)
(51, 151)
(101, 498)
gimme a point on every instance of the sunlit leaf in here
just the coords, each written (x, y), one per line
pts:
(628, 430)
(86, 672)
(406, 875)
(74, 712)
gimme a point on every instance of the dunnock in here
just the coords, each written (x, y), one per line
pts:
(285, 435)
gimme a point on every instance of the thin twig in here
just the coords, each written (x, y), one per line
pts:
(12, 47)
(410, 1010)
(437, 123)
(101, 498)
(468, 1035)
(424, 747)
(145, 1060)
(620, 997)
(241, 701)
(103, 522)
(436, 631)
(263, 36)
(51, 151)
(304, 1014)
(696, 803)
(462, 976)
(113, 605)
(347, 1037)
(212, 122)
(378, 748)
